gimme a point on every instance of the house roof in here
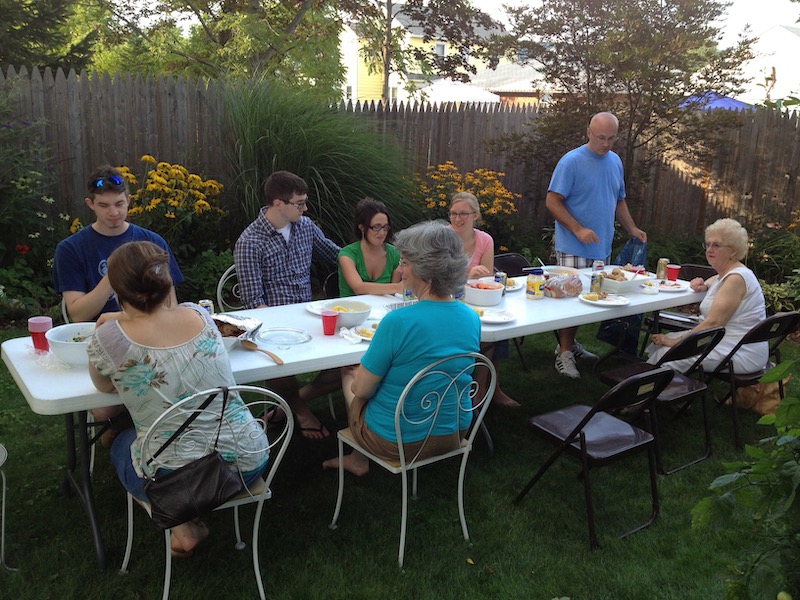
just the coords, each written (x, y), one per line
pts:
(509, 78)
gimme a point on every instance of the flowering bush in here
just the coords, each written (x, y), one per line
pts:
(180, 206)
(439, 183)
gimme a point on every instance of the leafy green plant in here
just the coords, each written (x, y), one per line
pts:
(201, 275)
(764, 488)
(341, 158)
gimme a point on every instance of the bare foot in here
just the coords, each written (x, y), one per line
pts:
(185, 537)
(354, 463)
(501, 399)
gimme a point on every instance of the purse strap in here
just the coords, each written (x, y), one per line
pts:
(191, 419)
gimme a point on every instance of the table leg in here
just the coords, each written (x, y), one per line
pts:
(81, 483)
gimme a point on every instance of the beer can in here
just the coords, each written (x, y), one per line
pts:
(661, 268)
(596, 284)
(501, 277)
(207, 304)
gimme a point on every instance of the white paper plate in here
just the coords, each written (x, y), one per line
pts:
(362, 331)
(495, 315)
(610, 300)
(673, 286)
(316, 308)
(515, 283)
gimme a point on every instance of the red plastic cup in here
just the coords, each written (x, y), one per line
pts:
(37, 326)
(672, 272)
(329, 321)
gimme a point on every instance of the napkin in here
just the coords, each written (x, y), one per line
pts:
(350, 336)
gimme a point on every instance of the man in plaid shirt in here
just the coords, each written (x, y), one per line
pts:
(273, 263)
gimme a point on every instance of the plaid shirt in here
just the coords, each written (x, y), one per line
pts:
(273, 272)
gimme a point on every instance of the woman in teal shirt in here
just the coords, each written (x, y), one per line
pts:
(434, 268)
(369, 266)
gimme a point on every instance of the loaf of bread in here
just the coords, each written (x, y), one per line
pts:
(566, 286)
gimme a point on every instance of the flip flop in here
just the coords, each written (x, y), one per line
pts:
(321, 429)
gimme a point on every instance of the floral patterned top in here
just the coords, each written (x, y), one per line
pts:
(149, 380)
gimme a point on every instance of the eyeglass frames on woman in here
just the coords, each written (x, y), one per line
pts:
(100, 182)
(460, 215)
(377, 228)
(714, 246)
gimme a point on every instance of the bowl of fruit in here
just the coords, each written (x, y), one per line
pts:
(483, 292)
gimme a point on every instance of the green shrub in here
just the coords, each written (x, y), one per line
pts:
(338, 155)
(201, 276)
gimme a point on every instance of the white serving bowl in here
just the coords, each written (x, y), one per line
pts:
(483, 297)
(355, 314)
(61, 344)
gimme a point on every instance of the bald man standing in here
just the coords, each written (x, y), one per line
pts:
(586, 194)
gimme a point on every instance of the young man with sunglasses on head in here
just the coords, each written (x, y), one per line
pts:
(586, 194)
(273, 264)
(79, 267)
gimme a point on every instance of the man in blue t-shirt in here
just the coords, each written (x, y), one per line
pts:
(586, 193)
(79, 267)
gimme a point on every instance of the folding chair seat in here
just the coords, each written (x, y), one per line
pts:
(513, 264)
(675, 321)
(684, 388)
(229, 296)
(596, 437)
(279, 436)
(420, 405)
(773, 330)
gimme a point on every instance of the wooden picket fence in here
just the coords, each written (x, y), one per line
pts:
(90, 119)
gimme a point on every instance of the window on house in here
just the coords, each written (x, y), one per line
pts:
(438, 49)
(348, 92)
(392, 94)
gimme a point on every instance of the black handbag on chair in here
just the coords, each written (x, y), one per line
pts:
(196, 488)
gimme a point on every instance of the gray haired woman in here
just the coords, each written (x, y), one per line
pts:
(433, 267)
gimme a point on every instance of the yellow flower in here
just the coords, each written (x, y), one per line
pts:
(169, 215)
(147, 159)
(201, 206)
(75, 225)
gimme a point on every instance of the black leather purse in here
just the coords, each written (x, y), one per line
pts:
(194, 489)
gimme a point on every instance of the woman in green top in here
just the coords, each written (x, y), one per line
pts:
(369, 266)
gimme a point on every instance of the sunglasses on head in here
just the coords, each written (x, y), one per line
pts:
(100, 182)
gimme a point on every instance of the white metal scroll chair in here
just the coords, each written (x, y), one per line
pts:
(3, 457)
(420, 404)
(264, 402)
(229, 295)
(684, 388)
(773, 330)
(597, 438)
(330, 288)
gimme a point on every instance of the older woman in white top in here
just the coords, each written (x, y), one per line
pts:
(734, 301)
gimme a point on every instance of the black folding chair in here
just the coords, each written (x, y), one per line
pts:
(773, 330)
(597, 438)
(684, 388)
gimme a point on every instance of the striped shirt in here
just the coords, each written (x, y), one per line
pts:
(272, 271)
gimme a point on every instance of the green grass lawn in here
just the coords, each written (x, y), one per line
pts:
(536, 550)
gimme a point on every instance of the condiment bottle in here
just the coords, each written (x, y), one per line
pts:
(535, 286)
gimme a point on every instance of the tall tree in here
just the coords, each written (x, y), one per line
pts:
(654, 63)
(36, 34)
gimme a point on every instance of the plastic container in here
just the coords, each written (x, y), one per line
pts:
(535, 286)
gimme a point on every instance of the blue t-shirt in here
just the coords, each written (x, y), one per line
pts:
(591, 185)
(407, 341)
(80, 260)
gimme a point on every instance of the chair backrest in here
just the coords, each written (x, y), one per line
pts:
(690, 271)
(330, 287)
(445, 394)
(695, 344)
(229, 296)
(637, 392)
(773, 329)
(64, 311)
(511, 263)
(244, 426)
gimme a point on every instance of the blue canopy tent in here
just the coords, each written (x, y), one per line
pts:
(714, 101)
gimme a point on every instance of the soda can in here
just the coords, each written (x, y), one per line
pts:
(596, 285)
(207, 304)
(501, 277)
(598, 265)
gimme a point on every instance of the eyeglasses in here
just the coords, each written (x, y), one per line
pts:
(460, 215)
(377, 228)
(297, 205)
(103, 181)
(714, 246)
(603, 138)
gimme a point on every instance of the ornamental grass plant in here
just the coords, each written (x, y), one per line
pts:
(536, 550)
(340, 157)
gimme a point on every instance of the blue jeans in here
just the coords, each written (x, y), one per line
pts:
(121, 459)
